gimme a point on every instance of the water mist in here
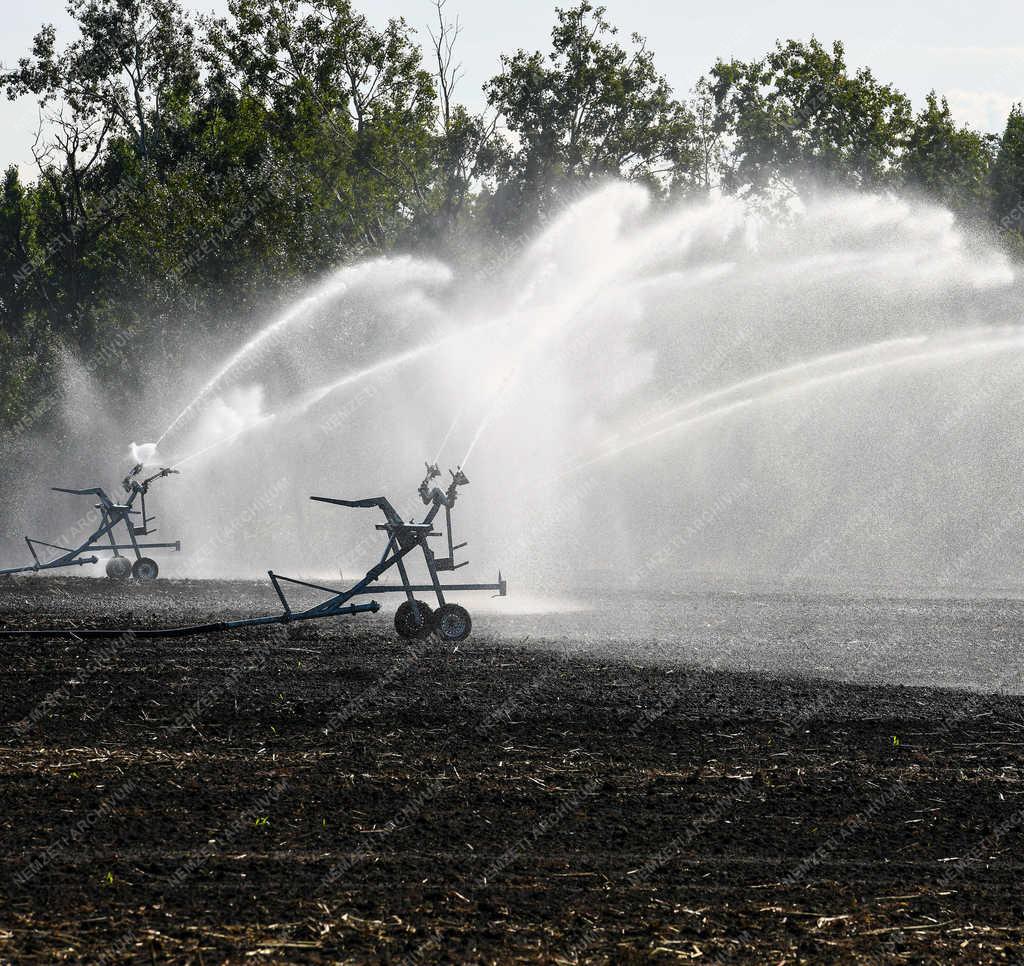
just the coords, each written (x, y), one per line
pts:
(613, 383)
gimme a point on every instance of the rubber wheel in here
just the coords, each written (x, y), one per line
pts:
(145, 569)
(405, 620)
(118, 568)
(452, 623)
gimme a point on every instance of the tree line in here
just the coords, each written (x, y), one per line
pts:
(188, 166)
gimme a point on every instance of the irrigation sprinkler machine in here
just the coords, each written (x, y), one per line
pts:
(415, 618)
(134, 522)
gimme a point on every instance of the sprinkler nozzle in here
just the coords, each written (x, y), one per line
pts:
(432, 471)
(129, 481)
(458, 477)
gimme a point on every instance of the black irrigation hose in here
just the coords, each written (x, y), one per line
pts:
(98, 633)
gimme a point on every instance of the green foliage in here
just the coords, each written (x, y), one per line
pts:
(14, 254)
(1007, 181)
(590, 109)
(25, 353)
(945, 162)
(351, 108)
(132, 73)
(798, 119)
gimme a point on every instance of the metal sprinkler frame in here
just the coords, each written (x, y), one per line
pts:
(112, 515)
(414, 618)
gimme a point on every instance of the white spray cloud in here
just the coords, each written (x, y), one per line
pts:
(619, 320)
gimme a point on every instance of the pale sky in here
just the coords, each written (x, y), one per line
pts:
(973, 52)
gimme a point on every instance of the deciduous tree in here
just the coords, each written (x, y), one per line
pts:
(1007, 180)
(799, 119)
(946, 161)
(590, 108)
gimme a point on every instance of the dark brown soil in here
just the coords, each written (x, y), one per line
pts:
(327, 793)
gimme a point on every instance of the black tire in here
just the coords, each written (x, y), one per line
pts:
(452, 623)
(405, 620)
(145, 569)
(118, 568)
